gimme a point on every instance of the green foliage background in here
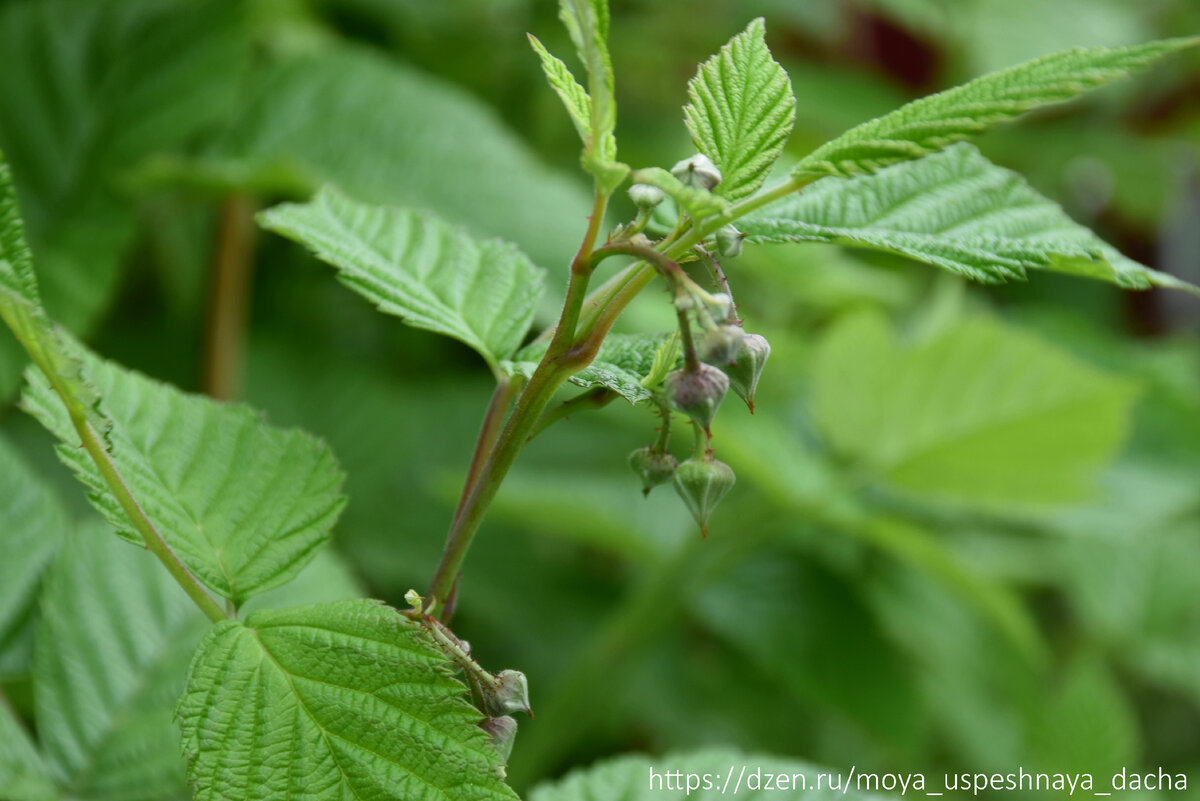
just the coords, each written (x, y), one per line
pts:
(967, 531)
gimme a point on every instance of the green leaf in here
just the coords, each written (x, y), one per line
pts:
(23, 774)
(622, 363)
(696, 201)
(16, 262)
(243, 505)
(741, 111)
(32, 524)
(112, 652)
(932, 123)
(984, 413)
(955, 210)
(414, 265)
(633, 778)
(587, 23)
(574, 96)
(341, 700)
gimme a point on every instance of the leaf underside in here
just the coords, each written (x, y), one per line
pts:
(955, 210)
(935, 122)
(414, 265)
(621, 364)
(741, 111)
(335, 701)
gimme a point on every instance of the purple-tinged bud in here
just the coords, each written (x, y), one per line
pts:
(745, 370)
(653, 466)
(697, 393)
(502, 731)
(509, 694)
(721, 345)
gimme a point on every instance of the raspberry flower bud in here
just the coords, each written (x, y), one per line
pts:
(698, 171)
(729, 242)
(508, 693)
(502, 731)
(745, 370)
(697, 393)
(702, 483)
(721, 345)
(645, 196)
(653, 466)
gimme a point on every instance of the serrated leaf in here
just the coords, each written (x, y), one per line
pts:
(697, 202)
(23, 774)
(955, 210)
(242, 504)
(32, 524)
(335, 701)
(16, 263)
(587, 23)
(632, 778)
(741, 111)
(623, 361)
(419, 268)
(983, 414)
(573, 96)
(112, 652)
(935, 122)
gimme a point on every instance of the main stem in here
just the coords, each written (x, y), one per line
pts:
(560, 361)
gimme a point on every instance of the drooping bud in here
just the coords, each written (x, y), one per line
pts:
(510, 693)
(698, 171)
(702, 483)
(729, 241)
(645, 196)
(697, 393)
(721, 345)
(653, 466)
(745, 370)
(502, 731)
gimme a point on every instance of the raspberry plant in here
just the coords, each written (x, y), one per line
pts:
(353, 699)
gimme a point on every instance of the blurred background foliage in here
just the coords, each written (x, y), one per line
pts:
(966, 534)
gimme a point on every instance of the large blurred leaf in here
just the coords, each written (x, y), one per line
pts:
(418, 267)
(716, 772)
(243, 505)
(23, 774)
(32, 523)
(342, 700)
(982, 413)
(955, 210)
(387, 134)
(932, 123)
(112, 651)
(740, 111)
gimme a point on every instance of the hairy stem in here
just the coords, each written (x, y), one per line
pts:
(228, 298)
(493, 420)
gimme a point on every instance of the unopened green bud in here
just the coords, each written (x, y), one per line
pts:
(729, 242)
(510, 693)
(502, 731)
(645, 196)
(744, 371)
(698, 171)
(702, 483)
(697, 393)
(653, 466)
(721, 345)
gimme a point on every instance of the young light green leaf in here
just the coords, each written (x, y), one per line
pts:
(932, 123)
(16, 263)
(335, 701)
(587, 23)
(32, 525)
(696, 201)
(421, 269)
(243, 505)
(955, 210)
(741, 111)
(112, 653)
(574, 96)
(622, 363)
(23, 774)
(639, 777)
(983, 414)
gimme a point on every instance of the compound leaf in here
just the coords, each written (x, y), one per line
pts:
(334, 701)
(983, 413)
(932, 123)
(741, 111)
(112, 652)
(955, 210)
(244, 505)
(621, 364)
(420, 268)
